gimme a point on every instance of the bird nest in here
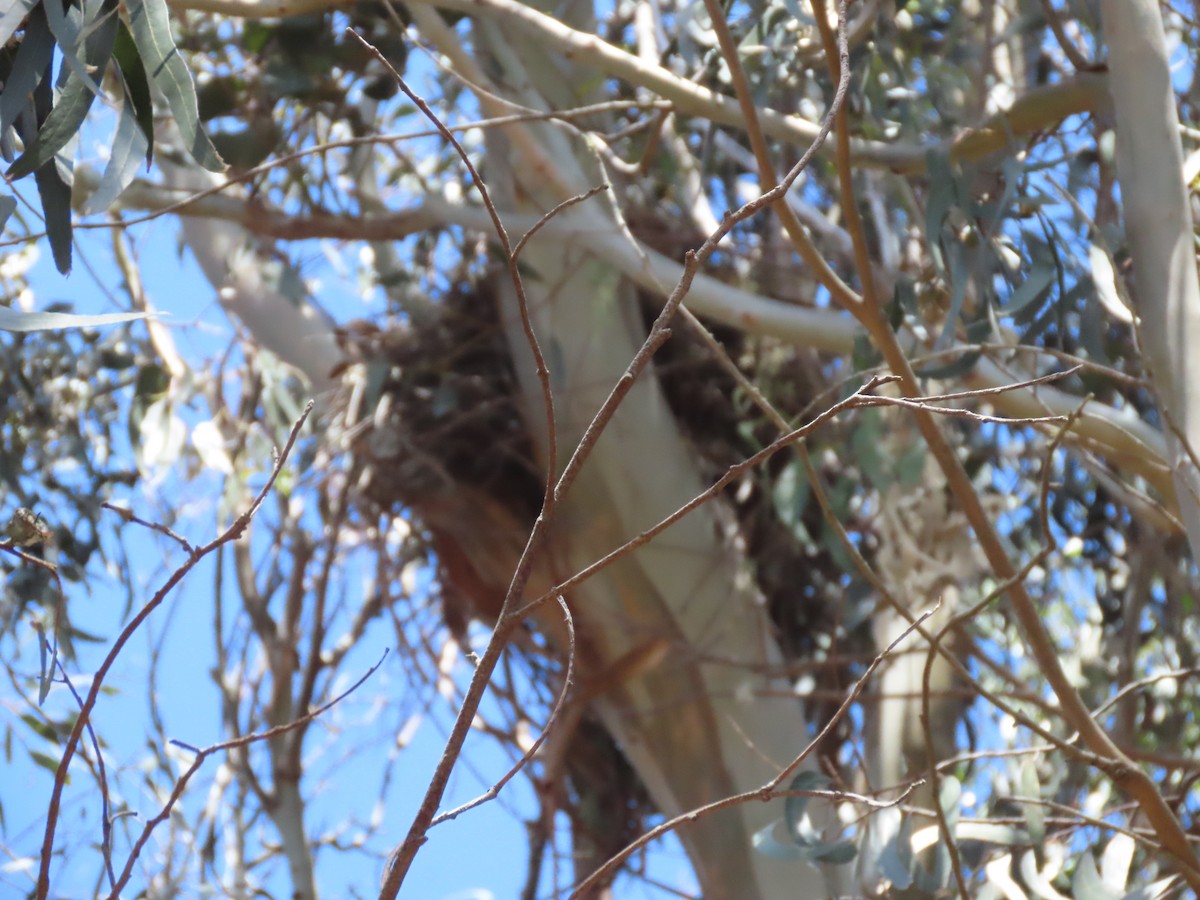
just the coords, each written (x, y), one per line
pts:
(441, 433)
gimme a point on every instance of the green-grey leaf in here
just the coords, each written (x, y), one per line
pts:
(793, 807)
(952, 369)
(151, 31)
(42, 729)
(137, 87)
(942, 197)
(128, 150)
(30, 66)
(8, 206)
(71, 28)
(1032, 288)
(1087, 883)
(766, 842)
(948, 799)
(836, 854)
(956, 263)
(56, 209)
(1035, 817)
(19, 320)
(44, 670)
(45, 761)
(76, 97)
(896, 861)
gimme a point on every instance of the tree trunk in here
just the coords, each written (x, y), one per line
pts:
(693, 726)
(1159, 228)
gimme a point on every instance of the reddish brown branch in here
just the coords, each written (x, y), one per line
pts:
(233, 532)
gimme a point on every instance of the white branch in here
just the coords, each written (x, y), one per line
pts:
(1034, 111)
(1130, 443)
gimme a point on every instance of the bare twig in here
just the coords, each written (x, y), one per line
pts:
(568, 680)
(128, 515)
(232, 533)
(203, 754)
(544, 220)
(106, 817)
(771, 789)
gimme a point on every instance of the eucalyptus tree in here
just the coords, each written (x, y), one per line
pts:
(778, 386)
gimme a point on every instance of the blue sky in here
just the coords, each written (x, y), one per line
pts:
(187, 700)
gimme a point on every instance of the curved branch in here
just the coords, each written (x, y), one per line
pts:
(1036, 110)
(1119, 435)
(1032, 112)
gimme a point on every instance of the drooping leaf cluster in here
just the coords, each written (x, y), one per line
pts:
(44, 112)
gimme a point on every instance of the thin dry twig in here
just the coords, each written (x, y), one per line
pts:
(232, 533)
(203, 754)
(568, 680)
(544, 220)
(128, 515)
(106, 817)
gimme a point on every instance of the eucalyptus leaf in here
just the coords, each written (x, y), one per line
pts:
(55, 195)
(151, 30)
(790, 497)
(1035, 818)
(942, 198)
(1104, 278)
(837, 853)
(896, 862)
(958, 275)
(1087, 883)
(1034, 287)
(128, 150)
(949, 799)
(76, 97)
(767, 842)
(793, 807)
(137, 86)
(163, 435)
(66, 23)
(44, 670)
(19, 320)
(959, 365)
(31, 65)
(8, 205)
(42, 729)
(1117, 860)
(46, 761)
(70, 26)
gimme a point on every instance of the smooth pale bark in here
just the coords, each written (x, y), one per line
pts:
(1159, 228)
(234, 261)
